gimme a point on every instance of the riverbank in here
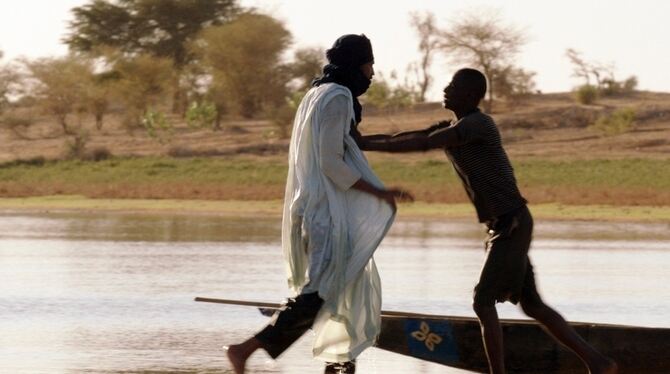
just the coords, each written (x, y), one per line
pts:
(273, 208)
(621, 183)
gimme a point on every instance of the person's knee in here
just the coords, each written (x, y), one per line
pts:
(482, 306)
(533, 307)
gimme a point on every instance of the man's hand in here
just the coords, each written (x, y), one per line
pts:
(396, 194)
(390, 195)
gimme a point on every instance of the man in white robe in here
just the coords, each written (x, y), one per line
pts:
(336, 212)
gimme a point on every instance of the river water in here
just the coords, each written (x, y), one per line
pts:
(113, 293)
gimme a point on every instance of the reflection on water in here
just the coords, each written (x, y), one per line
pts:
(113, 293)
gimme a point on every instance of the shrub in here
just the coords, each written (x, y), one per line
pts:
(158, 126)
(181, 151)
(586, 94)
(610, 87)
(619, 122)
(99, 154)
(33, 161)
(282, 115)
(76, 148)
(17, 123)
(201, 115)
(630, 84)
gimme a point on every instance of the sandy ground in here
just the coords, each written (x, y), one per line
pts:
(547, 126)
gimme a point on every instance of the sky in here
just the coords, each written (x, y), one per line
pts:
(631, 35)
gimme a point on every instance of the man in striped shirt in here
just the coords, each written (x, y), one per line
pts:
(474, 146)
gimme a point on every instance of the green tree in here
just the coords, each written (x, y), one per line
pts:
(59, 85)
(482, 40)
(243, 58)
(161, 28)
(307, 65)
(514, 83)
(141, 83)
(98, 96)
(384, 94)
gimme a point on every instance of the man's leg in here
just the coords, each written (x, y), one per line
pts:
(559, 328)
(492, 287)
(492, 336)
(287, 325)
(502, 278)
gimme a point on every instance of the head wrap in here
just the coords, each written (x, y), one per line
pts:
(350, 51)
(345, 58)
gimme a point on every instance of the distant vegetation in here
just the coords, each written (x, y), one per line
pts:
(160, 68)
(619, 122)
(205, 61)
(482, 40)
(599, 79)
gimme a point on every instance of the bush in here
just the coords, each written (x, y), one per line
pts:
(181, 151)
(201, 115)
(283, 115)
(619, 122)
(586, 94)
(158, 126)
(630, 84)
(76, 148)
(34, 161)
(611, 87)
(16, 123)
(381, 95)
(99, 154)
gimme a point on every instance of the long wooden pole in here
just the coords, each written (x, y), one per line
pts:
(259, 304)
(386, 313)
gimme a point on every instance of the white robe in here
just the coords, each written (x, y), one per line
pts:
(345, 224)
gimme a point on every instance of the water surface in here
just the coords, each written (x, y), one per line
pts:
(111, 293)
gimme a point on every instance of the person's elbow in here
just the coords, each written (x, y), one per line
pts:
(328, 166)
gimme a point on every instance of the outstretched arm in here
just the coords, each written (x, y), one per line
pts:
(331, 157)
(434, 137)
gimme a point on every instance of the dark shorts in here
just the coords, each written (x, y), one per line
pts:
(507, 274)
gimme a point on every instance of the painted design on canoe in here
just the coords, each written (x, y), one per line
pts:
(430, 341)
(425, 335)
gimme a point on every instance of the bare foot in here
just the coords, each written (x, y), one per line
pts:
(236, 358)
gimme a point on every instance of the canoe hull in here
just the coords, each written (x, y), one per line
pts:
(456, 342)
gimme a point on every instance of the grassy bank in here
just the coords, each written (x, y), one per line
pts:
(273, 208)
(626, 182)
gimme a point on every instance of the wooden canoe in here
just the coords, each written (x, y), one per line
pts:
(456, 342)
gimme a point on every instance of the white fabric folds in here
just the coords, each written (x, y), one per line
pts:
(355, 223)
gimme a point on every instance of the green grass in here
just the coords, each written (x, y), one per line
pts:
(626, 173)
(626, 182)
(632, 173)
(148, 170)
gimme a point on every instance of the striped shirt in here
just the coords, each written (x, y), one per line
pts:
(483, 166)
